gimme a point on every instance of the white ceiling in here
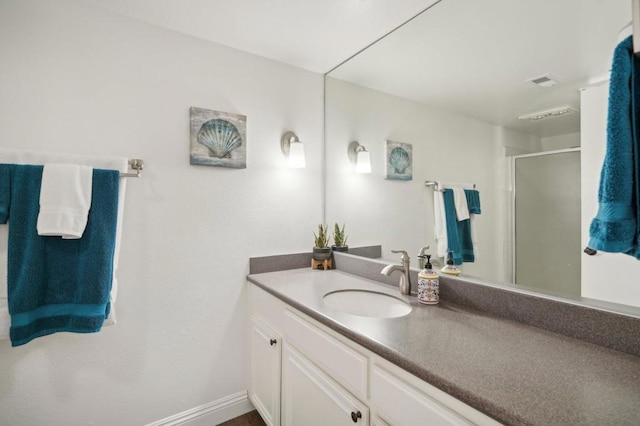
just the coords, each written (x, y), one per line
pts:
(315, 35)
(473, 58)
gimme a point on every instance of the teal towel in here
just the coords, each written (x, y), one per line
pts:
(473, 201)
(458, 232)
(5, 193)
(617, 223)
(55, 284)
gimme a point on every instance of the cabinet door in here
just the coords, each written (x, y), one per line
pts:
(264, 382)
(310, 397)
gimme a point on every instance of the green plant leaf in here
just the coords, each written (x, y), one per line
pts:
(321, 239)
(339, 237)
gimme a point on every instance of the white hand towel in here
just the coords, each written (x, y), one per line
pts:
(460, 201)
(65, 199)
(16, 156)
(440, 220)
(474, 237)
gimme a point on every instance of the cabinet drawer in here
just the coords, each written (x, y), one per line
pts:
(344, 364)
(403, 404)
(266, 307)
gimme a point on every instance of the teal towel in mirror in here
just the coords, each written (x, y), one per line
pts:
(617, 223)
(5, 192)
(459, 237)
(473, 201)
(57, 284)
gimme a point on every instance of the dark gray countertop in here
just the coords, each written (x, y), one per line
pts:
(515, 373)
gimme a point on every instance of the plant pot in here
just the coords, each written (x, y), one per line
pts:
(321, 253)
(342, 249)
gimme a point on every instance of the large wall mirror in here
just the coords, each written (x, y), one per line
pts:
(509, 96)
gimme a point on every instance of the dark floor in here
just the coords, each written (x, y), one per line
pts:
(252, 418)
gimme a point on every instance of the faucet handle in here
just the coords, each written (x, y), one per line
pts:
(423, 250)
(405, 256)
(422, 256)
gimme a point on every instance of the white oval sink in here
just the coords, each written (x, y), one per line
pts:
(366, 303)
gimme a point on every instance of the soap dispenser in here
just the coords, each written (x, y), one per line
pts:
(428, 285)
(450, 268)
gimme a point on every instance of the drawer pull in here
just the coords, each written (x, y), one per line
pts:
(273, 342)
(355, 416)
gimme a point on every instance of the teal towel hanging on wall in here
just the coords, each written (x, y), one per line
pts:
(56, 284)
(616, 226)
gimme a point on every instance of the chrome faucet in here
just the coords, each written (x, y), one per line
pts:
(405, 280)
(422, 257)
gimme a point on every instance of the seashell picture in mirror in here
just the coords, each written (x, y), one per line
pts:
(399, 164)
(218, 138)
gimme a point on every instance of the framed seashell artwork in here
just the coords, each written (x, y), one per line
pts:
(399, 161)
(218, 138)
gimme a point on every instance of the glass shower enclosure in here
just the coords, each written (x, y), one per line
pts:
(546, 207)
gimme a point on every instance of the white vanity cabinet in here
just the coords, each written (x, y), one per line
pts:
(323, 378)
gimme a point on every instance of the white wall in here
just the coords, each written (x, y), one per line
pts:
(606, 276)
(81, 80)
(446, 147)
(553, 143)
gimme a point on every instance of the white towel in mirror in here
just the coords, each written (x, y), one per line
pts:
(440, 229)
(460, 201)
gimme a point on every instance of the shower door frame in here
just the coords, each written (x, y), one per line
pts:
(512, 203)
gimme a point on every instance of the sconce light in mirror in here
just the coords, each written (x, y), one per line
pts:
(359, 156)
(293, 149)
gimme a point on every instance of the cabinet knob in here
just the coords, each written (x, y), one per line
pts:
(355, 415)
(273, 342)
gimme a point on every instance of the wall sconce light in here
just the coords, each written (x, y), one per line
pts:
(359, 156)
(293, 149)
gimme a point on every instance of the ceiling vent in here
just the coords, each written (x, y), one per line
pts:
(550, 113)
(546, 80)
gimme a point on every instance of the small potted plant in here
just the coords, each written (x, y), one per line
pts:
(339, 239)
(321, 249)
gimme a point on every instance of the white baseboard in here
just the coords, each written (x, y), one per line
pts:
(213, 413)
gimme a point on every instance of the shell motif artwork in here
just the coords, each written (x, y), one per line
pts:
(218, 138)
(399, 161)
